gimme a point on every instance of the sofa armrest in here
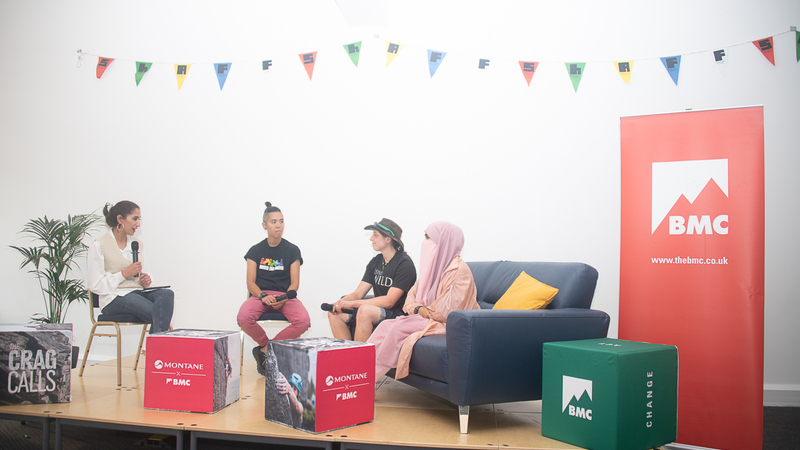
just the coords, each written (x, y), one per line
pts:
(495, 356)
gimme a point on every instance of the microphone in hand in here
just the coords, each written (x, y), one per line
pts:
(288, 295)
(328, 307)
(135, 251)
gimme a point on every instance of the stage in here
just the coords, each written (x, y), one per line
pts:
(404, 417)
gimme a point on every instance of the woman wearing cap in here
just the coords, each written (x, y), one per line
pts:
(445, 284)
(390, 275)
(116, 279)
(273, 269)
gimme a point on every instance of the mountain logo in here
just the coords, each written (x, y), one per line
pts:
(574, 388)
(687, 179)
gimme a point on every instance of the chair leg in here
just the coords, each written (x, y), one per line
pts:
(463, 418)
(86, 352)
(139, 350)
(241, 353)
(119, 355)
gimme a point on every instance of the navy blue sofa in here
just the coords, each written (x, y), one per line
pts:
(495, 356)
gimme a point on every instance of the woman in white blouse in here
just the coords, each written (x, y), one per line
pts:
(120, 282)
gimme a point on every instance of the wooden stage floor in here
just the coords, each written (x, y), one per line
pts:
(404, 417)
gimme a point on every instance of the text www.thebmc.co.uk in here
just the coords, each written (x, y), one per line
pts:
(689, 260)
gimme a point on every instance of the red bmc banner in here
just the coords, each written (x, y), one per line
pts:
(692, 263)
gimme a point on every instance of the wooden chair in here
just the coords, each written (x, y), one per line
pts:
(116, 321)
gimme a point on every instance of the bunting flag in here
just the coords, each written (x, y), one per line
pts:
(528, 69)
(353, 51)
(435, 60)
(102, 64)
(266, 64)
(483, 63)
(308, 60)
(141, 69)
(624, 68)
(392, 50)
(722, 60)
(222, 70)
(765, 45)
(575, 71)
(797, 39)
(673, 66)
(180, 73)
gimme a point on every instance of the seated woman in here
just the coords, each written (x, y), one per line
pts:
(117, 280)
(273, 268)
(445, 284)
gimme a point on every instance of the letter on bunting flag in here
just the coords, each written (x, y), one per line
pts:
(141, 69)
(624, 68)
(266, 64)
(353, 51)
(435, 60)
(392, 50)
(483, 63)
(308, 60)
(222, 70)
(721, 58)
(102, 64)
(528, 69)
(575, 71)
(673, 66)
(180, 73)
(765, 45)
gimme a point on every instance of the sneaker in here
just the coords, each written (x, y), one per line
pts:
(261, 359)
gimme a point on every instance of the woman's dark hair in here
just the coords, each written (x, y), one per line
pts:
(122, 208)
(270, 209)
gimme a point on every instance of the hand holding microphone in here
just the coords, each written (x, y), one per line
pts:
(287, 296)
(329, 307)
(135, 251)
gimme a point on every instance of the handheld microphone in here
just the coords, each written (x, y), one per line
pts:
(135, 250)
(329, 307)
(290, 295)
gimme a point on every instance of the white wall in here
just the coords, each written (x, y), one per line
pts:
(530, 173)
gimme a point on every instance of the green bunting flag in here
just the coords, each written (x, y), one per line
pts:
(797, 39)
(141, 69)
(353, 51)
(575, 71)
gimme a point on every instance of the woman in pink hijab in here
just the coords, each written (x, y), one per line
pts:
(445, 284)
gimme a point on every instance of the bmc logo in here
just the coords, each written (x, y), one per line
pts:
(687, 179)
(574, 388)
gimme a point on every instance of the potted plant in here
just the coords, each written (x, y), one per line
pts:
(57, 246)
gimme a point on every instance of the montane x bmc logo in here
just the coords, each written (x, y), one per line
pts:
(687, 179)
(574, 388)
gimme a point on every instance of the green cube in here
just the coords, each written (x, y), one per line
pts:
(608, 394)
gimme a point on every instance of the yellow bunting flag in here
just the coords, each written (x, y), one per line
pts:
(392, 50)
(180, 73)
(624, 68)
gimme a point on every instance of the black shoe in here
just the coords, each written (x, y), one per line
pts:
(261, 359)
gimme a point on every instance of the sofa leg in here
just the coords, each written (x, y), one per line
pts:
(463, 418)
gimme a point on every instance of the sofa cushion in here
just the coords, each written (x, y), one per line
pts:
(526, 292)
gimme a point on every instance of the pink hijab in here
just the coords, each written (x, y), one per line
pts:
(445, 243)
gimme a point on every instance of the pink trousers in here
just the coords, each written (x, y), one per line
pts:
(253, 307)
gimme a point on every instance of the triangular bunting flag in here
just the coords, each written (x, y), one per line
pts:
(765, 45)
(575, 71)
(102, 64)
(222, 70)
(435, 60)
(141, 69)
(353, 51)
(528, 69)
(308, 60)
(797, 40)
(392, 50)
(624, 68)
(721, 58)
(180, 73)
(673, 66)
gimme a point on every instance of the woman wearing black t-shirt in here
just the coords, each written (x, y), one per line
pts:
(273, 268)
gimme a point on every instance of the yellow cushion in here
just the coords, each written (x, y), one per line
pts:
(526, 293)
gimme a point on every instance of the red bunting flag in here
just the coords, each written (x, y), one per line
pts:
(308, 60)
(765, 45)
(102, 64)
(528, 69)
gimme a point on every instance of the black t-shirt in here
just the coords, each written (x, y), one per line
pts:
(399, 273)
(273, 272)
